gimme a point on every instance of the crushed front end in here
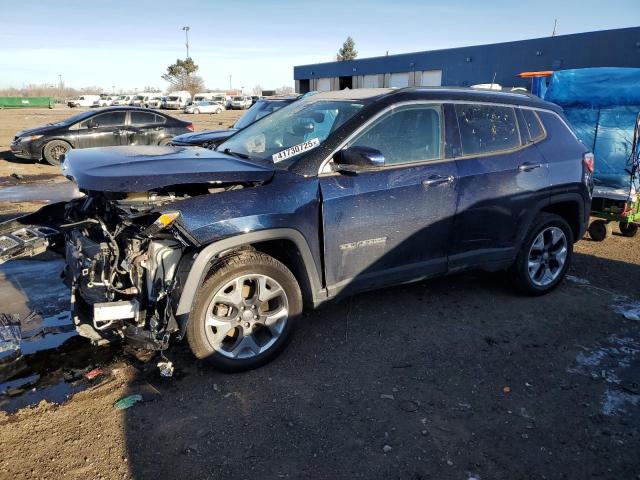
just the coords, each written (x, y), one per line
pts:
(122, 255)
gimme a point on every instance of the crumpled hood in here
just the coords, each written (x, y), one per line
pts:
(197, 138)
(140, 169)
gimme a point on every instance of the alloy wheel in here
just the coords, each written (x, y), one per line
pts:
(547, 256)
(246, 316)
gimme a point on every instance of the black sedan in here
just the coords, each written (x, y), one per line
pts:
(104, 127)
(212, 138)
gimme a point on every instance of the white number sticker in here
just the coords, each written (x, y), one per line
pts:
(295, 150)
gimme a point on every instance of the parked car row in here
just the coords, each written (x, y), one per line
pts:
(333, 194)
(177, 100)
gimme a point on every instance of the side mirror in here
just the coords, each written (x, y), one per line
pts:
(356, 159)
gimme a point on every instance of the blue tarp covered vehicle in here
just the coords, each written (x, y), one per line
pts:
(602, 106)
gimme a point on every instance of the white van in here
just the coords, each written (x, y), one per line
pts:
(240, 102)
(142, 99)
(156, 100)
(83, 101)
(123, 100)
(177, 100)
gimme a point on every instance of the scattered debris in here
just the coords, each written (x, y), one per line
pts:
(166, 368)
(17, 176)
(387, 396)
(387, 448)
(506, 389)
(9, 337)
(127, 402)
(91, 374)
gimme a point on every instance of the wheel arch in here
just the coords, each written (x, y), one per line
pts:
(62, 139)
(284, 244)
(572, 210)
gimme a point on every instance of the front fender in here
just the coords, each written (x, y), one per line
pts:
(201, 263)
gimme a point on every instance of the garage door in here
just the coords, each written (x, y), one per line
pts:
(370, 81)
(399, 80)
(431, 78)
(324, 84)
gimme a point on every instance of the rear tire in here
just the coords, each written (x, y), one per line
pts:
(628, 229)
(250, 297)
(599, 230)
(544, 256)
(53, 150)
(196, 111)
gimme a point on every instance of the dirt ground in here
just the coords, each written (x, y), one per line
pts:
(455, 378)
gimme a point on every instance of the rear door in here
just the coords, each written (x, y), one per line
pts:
(502, 180)
(147, 128)
(392, 224)
(103, 130)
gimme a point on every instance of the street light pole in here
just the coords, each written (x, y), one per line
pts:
(230, 87)
(186, 34)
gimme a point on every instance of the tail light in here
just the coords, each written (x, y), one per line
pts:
(589, 161)
(190, 127)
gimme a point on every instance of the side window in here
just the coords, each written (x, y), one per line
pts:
(110, 119)
(142, 118)
(406, 134)
(160, 119)
(487, 128)
(536, 132)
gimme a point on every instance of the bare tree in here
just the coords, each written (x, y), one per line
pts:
(284, 90)
(257, 90)
(182, 76)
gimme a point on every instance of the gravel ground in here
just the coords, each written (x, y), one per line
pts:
(455, 378)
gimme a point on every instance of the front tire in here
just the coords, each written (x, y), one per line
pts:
(245, 313)
(53, 151)
(544, 256)
(196, 111)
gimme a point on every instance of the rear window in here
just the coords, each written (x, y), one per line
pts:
(536, 132)
(146, 118)
(487, 128)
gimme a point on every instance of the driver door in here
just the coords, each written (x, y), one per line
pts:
(103, 130)
(393, 223)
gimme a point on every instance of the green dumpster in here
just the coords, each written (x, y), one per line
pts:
(23, 102)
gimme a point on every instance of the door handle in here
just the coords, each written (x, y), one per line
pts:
(528, 166)
(434, 180)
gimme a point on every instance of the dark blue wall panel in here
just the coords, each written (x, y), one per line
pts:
(478, 64)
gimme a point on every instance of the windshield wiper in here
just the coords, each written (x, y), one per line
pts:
(244, 156)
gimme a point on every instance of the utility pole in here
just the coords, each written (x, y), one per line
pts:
(60, 86)
(186, 34)
(230, 87)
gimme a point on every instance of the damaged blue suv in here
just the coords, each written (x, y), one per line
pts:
(334, 194)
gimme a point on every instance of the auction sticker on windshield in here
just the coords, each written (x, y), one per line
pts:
(295, 150)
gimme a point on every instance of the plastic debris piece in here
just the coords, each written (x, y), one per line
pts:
(506, 389)
(387, 448)
(128, 401)
(91, 374)
(166, 368)
(387, 396)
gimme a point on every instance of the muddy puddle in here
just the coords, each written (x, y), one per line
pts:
(45, 192)
(41, 356)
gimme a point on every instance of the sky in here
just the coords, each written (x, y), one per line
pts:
(129, 44)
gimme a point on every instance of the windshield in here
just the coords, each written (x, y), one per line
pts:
(261, 109)
(173, 99)
(74, 118)
(292, 130)
(237, 99)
